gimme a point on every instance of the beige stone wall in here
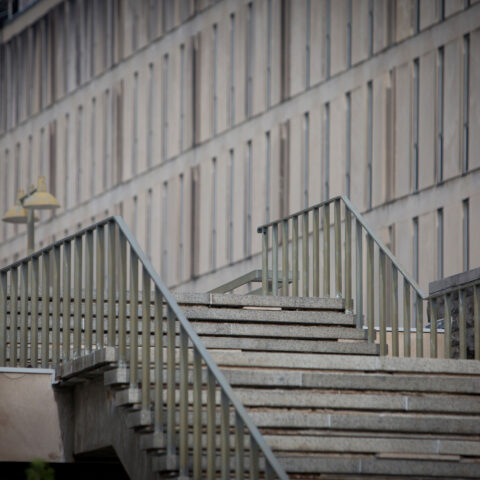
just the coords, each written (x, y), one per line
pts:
(112, 116)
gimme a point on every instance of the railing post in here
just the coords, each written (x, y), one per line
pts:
(122, 300)
(225, 436)
(476, 320)
(370, 290)
(146, 341)
(100, 302)
(381, 310)
(348, 261)
(56, 305)
(275, 260)
(338, 249)
(183, 436)
(88, 290)
(77, 297)
(326, 250)
(285, 267)
(419, 326)
(158, 355)
(462, 324)
(13, 316)
(23, 314)
(254, 460)
(211, 428)
(447, 315)
(295, 257)
(359, 274)
(406, 319)
(34, 314)
(305, 262)
(316, 255)
(45, 309)
(171, 410)
(3, 318)
(197, 415)
(395, 349)
(67, 266)
(265, 261)
(111, 285)
(134, 319)
(239, 449)
(433, 308)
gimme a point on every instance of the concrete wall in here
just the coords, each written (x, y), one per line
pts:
(122, 115)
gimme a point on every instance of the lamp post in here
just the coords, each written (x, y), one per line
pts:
(23, 210)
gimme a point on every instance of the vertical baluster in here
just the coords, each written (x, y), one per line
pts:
(34, 314)
(88, 290)
(254, 459)
(275, 260)
(77, 297)
(211, 408)
(419, 306)
(462, 324)
(239, 449)
(359, 274)
(23, 314)
(265, 261)
(447, 315)
(170, 382)
(406, 319)
(476, 320)
(295, 257)
(67, 267)
(338, 249)
(382, 296)
(13, 315)
(395, 349)
(3, 318)
(56, 305)
(197, 415)
(146, 340)
(316, 256)
(183, 447)
(45, 309)
(111, 285)
(134, 319)
(370, 290)
(100, 272)
(285, 267)
(269, 473)
(326, 250)
(225, 437)
(158, 406)
(305, 260)
(348, 260)
(433, 327)
(122, 299)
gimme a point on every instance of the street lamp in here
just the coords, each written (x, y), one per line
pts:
(23, 210)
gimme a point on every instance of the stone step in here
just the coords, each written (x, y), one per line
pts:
(239, 301)
(269, 316)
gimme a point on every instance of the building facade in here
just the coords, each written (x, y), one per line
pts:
(198, 121)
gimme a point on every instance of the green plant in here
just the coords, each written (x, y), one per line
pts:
(40, 470)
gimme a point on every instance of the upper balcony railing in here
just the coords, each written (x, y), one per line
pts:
(43, 324)
(366, 274)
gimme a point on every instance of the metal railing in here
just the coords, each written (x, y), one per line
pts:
(43, 323)
(365, 273)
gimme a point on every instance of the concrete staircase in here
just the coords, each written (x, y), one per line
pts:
(325, 401)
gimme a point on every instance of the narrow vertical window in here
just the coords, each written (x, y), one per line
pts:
(328, 21)
(326, 152)
(195, 221)
(135, 216)
(248, 202)
(307, 44)
(466, 234)
(249, 62)
(466, 95)
(6, 203)
(148, 225)
(390, 137)
(42, 152)
(348, 143)
(440, 107)
(93, 147)
(107, 141)
(284, 173)
(370, 28)
(415, 248)
(349, 33)
(268, 174)
(306, 158)
(442, 10)
(182, 96)
(231, 197)
(232, 70)
(415, 123)
(215, 79)
(417, 16)
(369, 142)
(79, 135)
(269, 53)
(164, 267)
(214, 215)
(150, 104)
(440, 243)
(135, 125)
(67, 162)
(165, 109)
(181, 239)
(30, 162)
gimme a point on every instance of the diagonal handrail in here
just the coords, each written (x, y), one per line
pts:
(109, 247)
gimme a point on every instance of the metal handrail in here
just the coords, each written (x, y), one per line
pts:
(119, 236)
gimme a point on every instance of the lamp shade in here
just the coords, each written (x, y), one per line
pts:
(17, 214)
(41, 199)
